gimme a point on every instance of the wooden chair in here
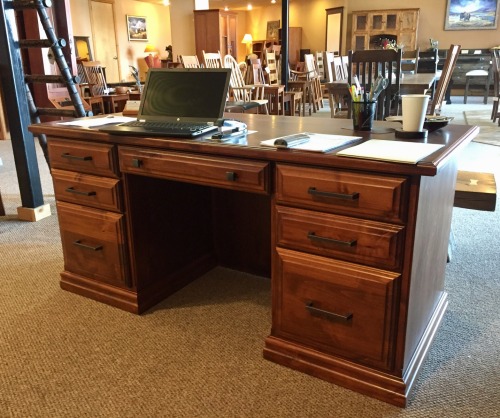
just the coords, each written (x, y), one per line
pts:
(98, 88)
(367, 65)
(328, 61)
(189, 61)
(312, 67)
(242, 92)
(212, 59)
(444, 80)
(338, 89)
(409, 61)
(59, 97)
(293, 98)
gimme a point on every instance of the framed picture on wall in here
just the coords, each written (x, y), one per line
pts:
(137, 28)
(273, 28)
(471, 14)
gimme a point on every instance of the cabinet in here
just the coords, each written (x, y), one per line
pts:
(369, 28)
(294, 45)
(215, 30)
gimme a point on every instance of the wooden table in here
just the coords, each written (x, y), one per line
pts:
(275, 94)
(416, 83)
(355, 249)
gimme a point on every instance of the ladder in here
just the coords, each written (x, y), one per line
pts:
(21, 110)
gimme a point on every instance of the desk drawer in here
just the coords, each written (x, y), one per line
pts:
(94, 243)
(83, 157)
(243, 175)
(343, 192)
(336, 307)
(368, 242)
(84, 189)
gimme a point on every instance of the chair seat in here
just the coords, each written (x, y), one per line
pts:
(476, 73)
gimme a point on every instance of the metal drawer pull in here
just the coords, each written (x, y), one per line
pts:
(79, 243)
(72, 190)
(136, 162)
(331, 316)
(231, 176)
(76, 157)
(314, 192)
(313, 237)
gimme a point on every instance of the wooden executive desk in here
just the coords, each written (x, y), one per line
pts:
(356, 249)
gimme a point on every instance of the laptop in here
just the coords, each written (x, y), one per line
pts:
(178, 102)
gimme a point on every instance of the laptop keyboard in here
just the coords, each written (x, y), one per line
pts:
(172, 128)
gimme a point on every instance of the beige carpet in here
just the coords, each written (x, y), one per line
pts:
(489, 132)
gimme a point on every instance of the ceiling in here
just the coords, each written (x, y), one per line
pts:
(232, 4)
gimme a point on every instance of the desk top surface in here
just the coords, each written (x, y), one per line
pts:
(262, 127)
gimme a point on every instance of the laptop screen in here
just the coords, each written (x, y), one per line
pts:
(184, 94)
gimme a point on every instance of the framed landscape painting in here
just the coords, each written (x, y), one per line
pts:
(273, 28)
(137, 28)
(471, 14)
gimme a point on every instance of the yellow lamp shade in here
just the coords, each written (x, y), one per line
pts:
(150, 48)
(247, 39)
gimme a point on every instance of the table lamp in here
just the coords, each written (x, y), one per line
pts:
(247, 39)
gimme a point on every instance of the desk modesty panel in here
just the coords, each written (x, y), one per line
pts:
(355, 249)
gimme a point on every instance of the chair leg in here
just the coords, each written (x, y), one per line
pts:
(467, 80)
(494, 109)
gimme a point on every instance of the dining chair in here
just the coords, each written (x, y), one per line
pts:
(293, 98)
(367, 65)
(409, 61)
(189, 61)
(98, 88)
(311, 67)
(328, 61)
(242, 92)
(338, 89)
(444, 80)
(212, 59)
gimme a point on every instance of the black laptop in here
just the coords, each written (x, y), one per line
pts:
(178, 102)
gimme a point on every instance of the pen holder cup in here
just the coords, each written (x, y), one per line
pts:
(363, 114)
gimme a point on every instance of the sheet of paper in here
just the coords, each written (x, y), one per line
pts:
(385, 150)
(314, 142)
(92, 122)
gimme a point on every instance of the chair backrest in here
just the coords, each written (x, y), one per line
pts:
(310, 65)
(236, 81)
(320, 65)
(367, 65)
(338, 72)
(327, 62)
(495, 67)
(409, 61)
(95, 77)
(153, 61)
(444, 79)
(212, 59)
(189, 61)
(272, 68)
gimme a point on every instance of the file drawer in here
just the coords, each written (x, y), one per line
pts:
(380, 197)
(336, 307)
(94, 243)
(357, 240)
(96, 159)
(84, 189)
(236, 174)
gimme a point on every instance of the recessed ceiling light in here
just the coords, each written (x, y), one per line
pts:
(273, 1)
(249, 7)
(226, 8)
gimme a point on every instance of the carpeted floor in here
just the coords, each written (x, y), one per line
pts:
(199, 353)
(489, 131)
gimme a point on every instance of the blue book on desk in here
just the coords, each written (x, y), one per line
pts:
(178, 102)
